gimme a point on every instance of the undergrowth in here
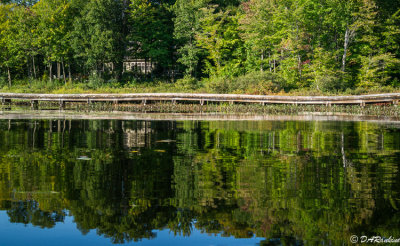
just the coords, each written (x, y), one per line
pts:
(249, 84)
(224, 108)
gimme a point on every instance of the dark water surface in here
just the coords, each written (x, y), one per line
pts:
(98, 182)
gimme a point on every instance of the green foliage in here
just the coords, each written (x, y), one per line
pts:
(151, 32)
(219, 37)
(3, 81)
(7, 56)
(311, 43)
(260, 83)
(377, 70)
(322, 73)
(95, 81)
(186, 25)
(96, 34)
(328, 45)
(188, 83)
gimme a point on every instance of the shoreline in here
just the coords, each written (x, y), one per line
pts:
(201, 98)
(120, 115)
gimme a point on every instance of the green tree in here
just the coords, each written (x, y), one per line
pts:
(186, 25)
(219, 37)
(53, 33)
(5, 52)
(151, 32)
(24, 40)
(378, 47)
(97, 35)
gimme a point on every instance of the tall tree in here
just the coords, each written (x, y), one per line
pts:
(24, 23)
(219, 37)
(97, 35)
(151, 32)
(53, 33)
(186, 25)
(5, 51)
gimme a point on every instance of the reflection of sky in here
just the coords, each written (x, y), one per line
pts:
(67, 234)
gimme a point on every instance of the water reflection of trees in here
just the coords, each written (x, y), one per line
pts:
(315, 181)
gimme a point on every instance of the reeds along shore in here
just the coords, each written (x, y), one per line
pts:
(222, 108)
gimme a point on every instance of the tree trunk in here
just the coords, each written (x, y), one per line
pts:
(151, 68)
(173, 73)
(63, 70)
(262, 61)
(34, 66)
(9, 76)
(69, 73)
(145, 66)
(346, 46)
(38, 69)
(58, 70)
(29, 69)
(299, 64)
(269, 62)
(51, 71)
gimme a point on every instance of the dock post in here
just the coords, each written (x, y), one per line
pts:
(62, 104)
(395, 102)
(144, 101)
(201, 102)
(7, 103)
(34, 104)
(231, 102)
(362, 104)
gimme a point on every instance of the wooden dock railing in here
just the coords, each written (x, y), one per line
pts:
(144, 98)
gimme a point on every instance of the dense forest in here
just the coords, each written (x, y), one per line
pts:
(248, 46)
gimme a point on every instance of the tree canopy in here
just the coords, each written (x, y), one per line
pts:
(324, 45)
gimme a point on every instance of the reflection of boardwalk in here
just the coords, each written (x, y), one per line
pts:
(116, 115)
(201, 98)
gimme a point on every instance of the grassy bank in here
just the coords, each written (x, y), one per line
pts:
(243, 85)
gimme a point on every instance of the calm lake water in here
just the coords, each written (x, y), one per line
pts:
(99, 182)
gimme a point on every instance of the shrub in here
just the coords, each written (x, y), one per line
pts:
(95, 81)
(253, 83)
(187, 83)
(329, 82)
(113, 83)
(378, 70)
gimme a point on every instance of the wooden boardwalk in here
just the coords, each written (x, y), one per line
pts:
(393, 98)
